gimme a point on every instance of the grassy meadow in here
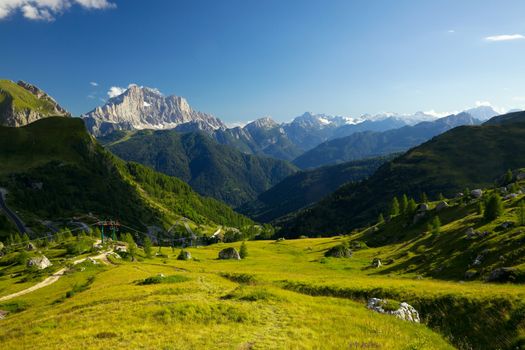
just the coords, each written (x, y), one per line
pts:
(284, 295)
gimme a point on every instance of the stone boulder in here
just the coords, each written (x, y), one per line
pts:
(30, 247)
(477, 193)
(417, 218)
(377, 263)
(402, 311)
(184, 255)
(229, 253)
(502, 274)
(520, 176)
(3, 314)
(339, 251)
(422, 207)
(93, 261)
(510, 196)
(40, 262)
(441, 205)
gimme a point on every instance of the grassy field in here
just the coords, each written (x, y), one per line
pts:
(284, 295)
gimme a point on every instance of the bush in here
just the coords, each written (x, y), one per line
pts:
(243, 251)
(339, 251)
(242, 278)
(163, 279)
(493, 208)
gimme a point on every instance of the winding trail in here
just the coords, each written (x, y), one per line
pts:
(54, 277)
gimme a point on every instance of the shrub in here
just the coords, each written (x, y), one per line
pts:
(339, 251)
(163, 279)
(242, 278)
(493, 208)
(243, 251)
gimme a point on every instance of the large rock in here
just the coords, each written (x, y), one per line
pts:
(502, 274)
(40, 262)
(403, 311)
(441, 205)
(377, 263)
(477, 193)
(423, 207)
(184, 255)
(229, 253)
(3, 314)
(30, 247)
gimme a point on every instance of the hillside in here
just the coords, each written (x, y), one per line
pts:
(307, 187)
(372, 144)
(467, 156)
(22, 103)
(211, 169)
(53, 169)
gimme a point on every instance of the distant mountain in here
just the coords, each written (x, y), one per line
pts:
(372, 144)
(482, 113)
(473, 156)
(307, 187)
(145, 108)
(22, 103)
(212, 169)
(53, 170)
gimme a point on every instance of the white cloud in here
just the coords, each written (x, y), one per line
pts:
(93, 83)
(505, 37)
(500, 110)
(46, 10)
(437, 114)
(114, 91)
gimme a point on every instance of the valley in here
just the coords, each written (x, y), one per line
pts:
(117, 234)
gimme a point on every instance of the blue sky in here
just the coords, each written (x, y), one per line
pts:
(243, 59)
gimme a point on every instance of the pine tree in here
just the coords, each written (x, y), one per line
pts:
(521, 213)
(243, 251)
(494, 207)
(435, 225)
(132, 246)
(394, 210)
(404, 203)
(17, 239)
(147, 247)
(411, 207)
(441, 197)
(25, 238)
(380, 219)
(424, 198)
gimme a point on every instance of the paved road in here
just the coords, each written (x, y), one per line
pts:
(53, 278)
(19, 223)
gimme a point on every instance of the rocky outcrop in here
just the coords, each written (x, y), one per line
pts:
(402, 311)
(376, 263)
(145, 108)
(40, 262)
(502, 274)
(441, 205)
(24, 103)
(229, 253)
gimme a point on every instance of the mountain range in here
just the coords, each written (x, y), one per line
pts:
(139, 108)
(367, 144)
(466, 156)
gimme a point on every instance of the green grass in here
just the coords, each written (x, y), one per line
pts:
(21, 99)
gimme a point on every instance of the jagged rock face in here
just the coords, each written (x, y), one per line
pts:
(404, 311)
(144, 108)
(38, 106)
(40, 262)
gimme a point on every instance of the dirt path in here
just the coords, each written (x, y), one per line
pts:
(54, 277)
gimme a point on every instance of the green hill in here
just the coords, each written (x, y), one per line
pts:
(467, 156)
(307, 187)
(54, 169)
(22, 103)
(212, 169)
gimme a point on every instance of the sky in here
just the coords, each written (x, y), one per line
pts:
(244, 59)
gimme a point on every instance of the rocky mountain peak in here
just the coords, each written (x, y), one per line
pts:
(147, 108)
(263, 123)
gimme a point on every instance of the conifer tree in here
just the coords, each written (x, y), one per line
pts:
(147, 247)
(380, 219)
(394, 209)
(411, 207)
(404, 204)
(243, 251)
(494, 207)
